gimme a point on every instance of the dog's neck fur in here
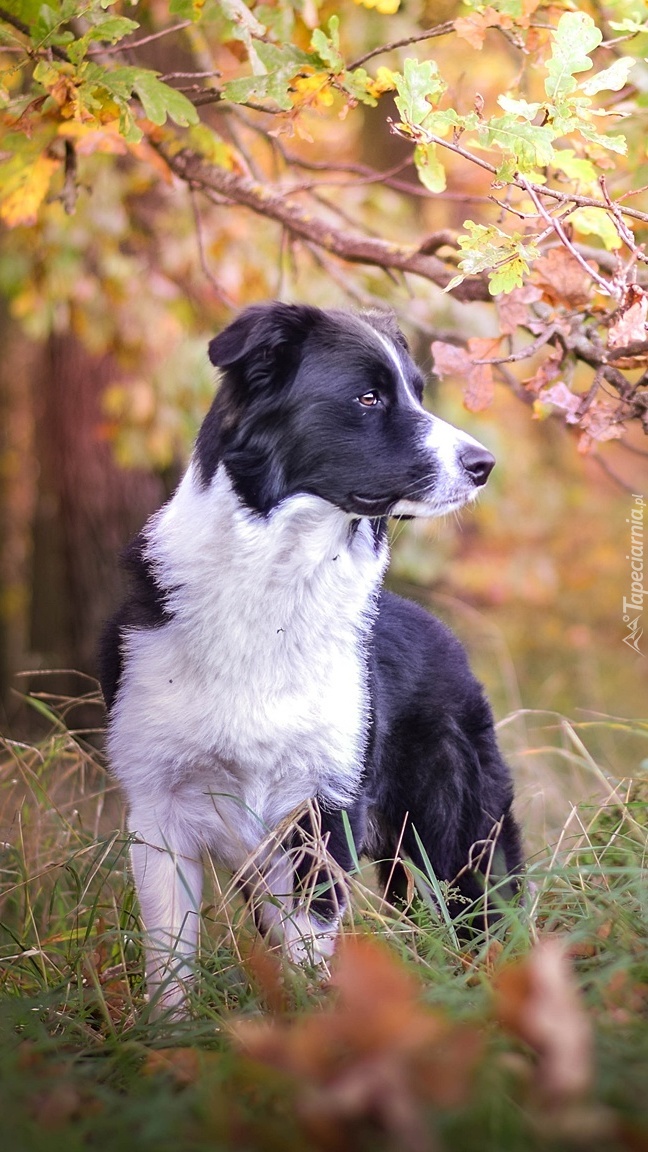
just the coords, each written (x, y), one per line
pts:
(271, 597)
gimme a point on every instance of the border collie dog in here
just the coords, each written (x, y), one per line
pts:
(257, 666)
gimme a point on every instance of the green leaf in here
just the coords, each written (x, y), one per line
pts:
(328, 47)
(282, 64)
(112, 29)
(486, 248)
(357, 84)
(575, 167)
(596, 222)
(520, 108)
(109, 31)
(441, 121)
(430, 170)
(617, 144)
(187, 9)
(612, 79)
(576, 34)
(530, 144)
(418, 88)
(508, 276)
(159, 100)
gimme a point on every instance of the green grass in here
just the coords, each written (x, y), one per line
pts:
(84, 1066)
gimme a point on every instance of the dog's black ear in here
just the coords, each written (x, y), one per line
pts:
(385, 322)
(261, 331)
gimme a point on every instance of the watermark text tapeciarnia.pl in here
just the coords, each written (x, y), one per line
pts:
(633, 602)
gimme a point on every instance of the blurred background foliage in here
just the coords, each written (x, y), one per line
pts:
(118, 263)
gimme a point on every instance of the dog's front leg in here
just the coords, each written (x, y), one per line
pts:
(330, 843)
(168, 877)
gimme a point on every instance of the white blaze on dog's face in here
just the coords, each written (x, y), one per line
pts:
(329, 404)
(461, 464)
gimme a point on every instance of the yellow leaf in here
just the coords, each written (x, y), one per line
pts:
(385, 7)
(25, 192)
(312, 89)
(384, 82)
(94, 137)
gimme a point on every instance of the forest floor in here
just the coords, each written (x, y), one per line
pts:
(533, 1037)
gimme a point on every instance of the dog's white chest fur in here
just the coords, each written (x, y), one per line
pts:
(253, 697)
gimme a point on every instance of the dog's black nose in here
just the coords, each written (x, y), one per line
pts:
(477, 462)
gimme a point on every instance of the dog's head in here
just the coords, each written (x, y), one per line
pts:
(329, 403)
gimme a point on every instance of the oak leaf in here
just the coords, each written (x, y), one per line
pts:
(562, 279)
(513, 307)
(479, 384)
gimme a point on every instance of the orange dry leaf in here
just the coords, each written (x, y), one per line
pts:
(537, 1001)
(600, 423)
(479, 385)
(562, 279)
(513, 307)
(378, 1054)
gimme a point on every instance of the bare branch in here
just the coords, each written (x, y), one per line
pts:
(124, 46)
(352, 246)
(429, 34)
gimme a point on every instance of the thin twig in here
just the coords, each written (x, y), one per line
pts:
(605, 467)
(626, 234)
(187, 75)
(121, 47)
(224, 298)
(603, 284)
(429, 34)
(524, 353)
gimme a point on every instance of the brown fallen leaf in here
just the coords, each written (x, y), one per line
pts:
(536, 999)
(564, 399)
(377, 1055)
(181, 1064)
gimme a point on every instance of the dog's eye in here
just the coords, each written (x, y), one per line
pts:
(369, 399)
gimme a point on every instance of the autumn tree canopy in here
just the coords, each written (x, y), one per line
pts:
(164, 163)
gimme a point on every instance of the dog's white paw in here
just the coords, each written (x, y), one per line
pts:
(308, 941)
